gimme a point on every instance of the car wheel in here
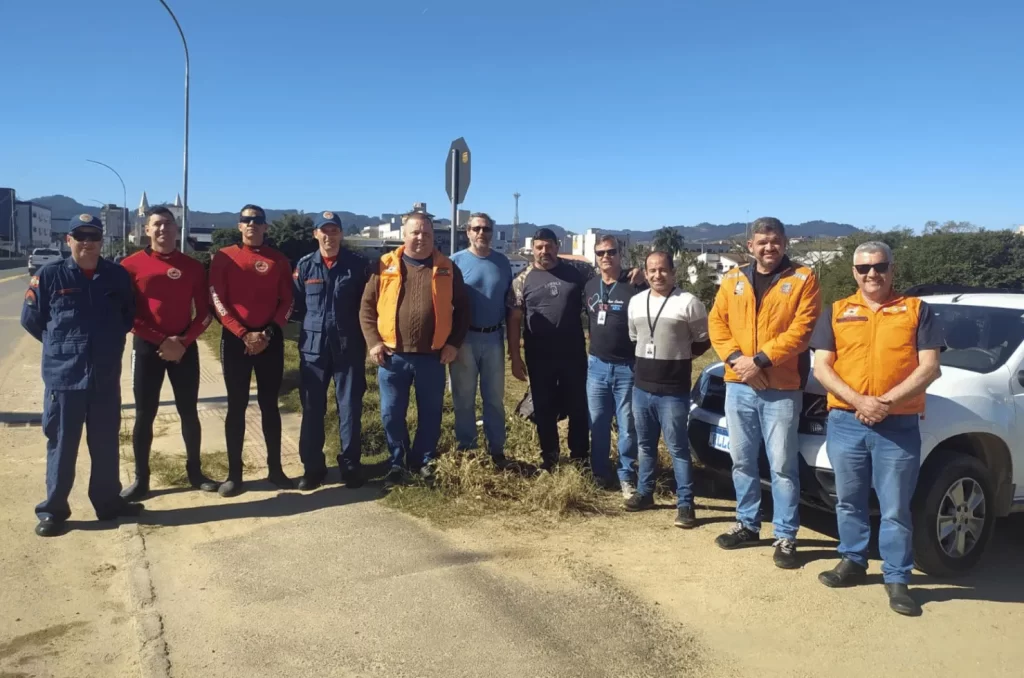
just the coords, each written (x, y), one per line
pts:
(953, 514)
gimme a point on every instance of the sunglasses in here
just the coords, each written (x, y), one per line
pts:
(259, 221)
(481, 229)
(87, 237)
(606, 253)
(863, 269)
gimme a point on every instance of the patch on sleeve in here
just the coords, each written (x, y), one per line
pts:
(295, 273)
(34, 282)
(31, 299)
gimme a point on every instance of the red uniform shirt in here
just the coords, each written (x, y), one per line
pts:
(251, 287)
(167, 289)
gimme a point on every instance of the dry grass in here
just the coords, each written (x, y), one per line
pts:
(466, 484)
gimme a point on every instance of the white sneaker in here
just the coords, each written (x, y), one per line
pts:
(627, 490)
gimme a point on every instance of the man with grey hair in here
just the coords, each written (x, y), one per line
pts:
(481, 359)
(875, 353)
(760, 326)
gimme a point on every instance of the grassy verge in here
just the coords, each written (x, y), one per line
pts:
(466, 483)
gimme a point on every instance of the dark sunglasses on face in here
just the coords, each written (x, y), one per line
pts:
(259, 221)
(881, 267)
(87, 237)
(481, 229)
(606, 253)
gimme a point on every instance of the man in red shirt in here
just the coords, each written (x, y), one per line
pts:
(251, 288)
(168, 286)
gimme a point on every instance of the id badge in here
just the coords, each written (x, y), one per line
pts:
(649, 350)
(601, 316)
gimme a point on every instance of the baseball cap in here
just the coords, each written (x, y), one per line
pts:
(325, 218)
(545, 234)
(85, 220)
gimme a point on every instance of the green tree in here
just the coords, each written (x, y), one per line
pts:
(292, 234)
(702, 286)
(668, 240)
(635, 255)
(222, 237)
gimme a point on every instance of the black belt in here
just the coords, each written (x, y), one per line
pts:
(486, 330)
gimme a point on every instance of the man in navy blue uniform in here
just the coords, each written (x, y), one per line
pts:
(81, 309)
(328, 288)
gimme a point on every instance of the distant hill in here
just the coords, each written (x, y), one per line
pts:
(63, 207)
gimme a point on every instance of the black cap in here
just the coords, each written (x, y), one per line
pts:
(545, 234)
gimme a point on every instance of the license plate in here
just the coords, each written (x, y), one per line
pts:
(719, 439)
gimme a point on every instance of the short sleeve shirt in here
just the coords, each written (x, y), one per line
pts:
(610, 341)
(552, 306)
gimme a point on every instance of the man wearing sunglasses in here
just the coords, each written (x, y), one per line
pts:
(760, 326)
(251, 290)
(875, 353)
(81, 308)
(328, 286)
(610, 368)
(169, 286)
(481, 358)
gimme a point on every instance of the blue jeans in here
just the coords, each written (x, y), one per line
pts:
(887, 456)
(668, 414)
(772, 416)
(484, 360)
(398, 374)
(610, 393)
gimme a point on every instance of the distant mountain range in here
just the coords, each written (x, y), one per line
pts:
(63, 207)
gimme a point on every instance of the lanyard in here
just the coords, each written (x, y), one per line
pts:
(650, 325)
(605, 293)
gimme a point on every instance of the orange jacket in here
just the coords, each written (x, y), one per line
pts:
(389, 290)
(776, 334)
(876, 350)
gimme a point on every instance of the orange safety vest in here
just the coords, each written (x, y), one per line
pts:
(389, 288)
(876, 350)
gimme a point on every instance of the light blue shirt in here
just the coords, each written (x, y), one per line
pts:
(488, 280)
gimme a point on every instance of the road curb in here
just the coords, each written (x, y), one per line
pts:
(154, 661)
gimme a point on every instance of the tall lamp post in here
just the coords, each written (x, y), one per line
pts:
(184, 192)
(124, 207)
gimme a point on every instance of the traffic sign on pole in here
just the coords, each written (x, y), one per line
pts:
(456, 181)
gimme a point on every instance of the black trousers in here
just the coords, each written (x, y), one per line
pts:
(558, 385)
(238, 371)
(148, 370)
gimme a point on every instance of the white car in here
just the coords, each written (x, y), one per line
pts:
(972, 434)
(40, 257)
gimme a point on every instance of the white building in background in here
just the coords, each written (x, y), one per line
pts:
(583, 245)
(718, 265)
(114, 219)
(32, 225)
(816, 258)
(1020, 229)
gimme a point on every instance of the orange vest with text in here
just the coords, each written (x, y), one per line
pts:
(876, 350)
(389, 290)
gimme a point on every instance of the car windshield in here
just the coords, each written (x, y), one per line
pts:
(46, 253)
(979, 338)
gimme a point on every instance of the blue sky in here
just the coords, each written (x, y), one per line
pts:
(606, 114)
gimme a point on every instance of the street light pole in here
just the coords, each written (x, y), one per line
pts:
(124, 207)
(184, 210)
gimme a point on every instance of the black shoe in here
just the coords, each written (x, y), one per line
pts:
(137, 491)
(200, 482)
(393, 479)
(900, 600)
(846, 573)
(48, 527)
(278, 479)
(353, 479)
(311, 481)
(736, 537)
(639, 502)
(230, 488)
(785, 554)
(502, 463)
(686, 518)
(126, 510)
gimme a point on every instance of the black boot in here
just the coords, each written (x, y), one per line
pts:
(138, 490)
(900, 600)
(353, 478)
(230, 487)
(278, 479)
(197, 479)
(48, 527)
(311, 481)
(846, 573)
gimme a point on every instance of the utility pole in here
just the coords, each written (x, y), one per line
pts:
(515, 224)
